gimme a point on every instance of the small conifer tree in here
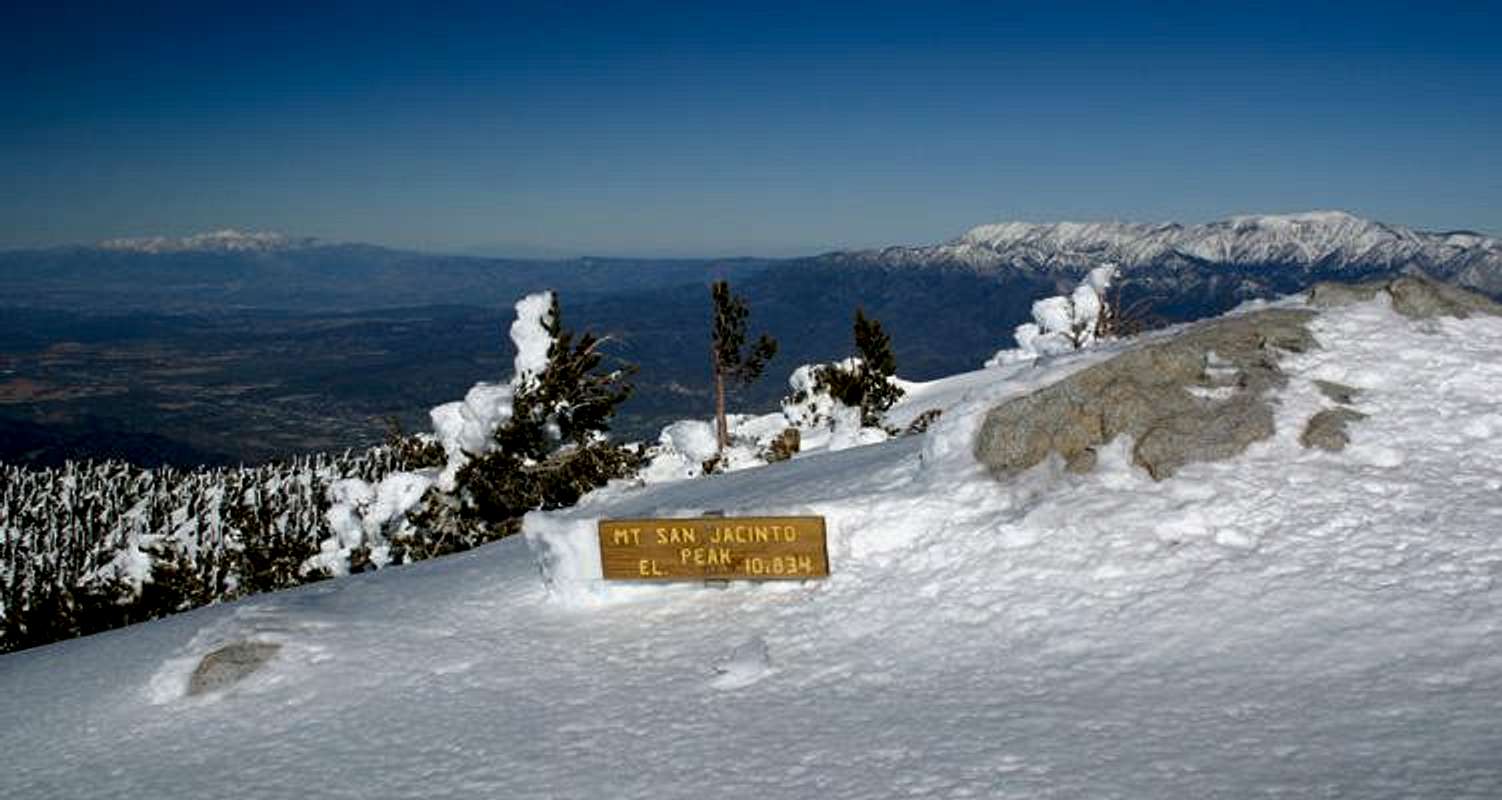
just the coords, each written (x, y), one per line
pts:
(732, 361)
(866, 383)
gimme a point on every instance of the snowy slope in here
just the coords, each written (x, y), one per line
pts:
(1290, 623)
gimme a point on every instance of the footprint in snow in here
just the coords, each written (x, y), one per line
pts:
(745, 665)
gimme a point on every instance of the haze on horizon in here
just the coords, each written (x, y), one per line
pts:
(668, 129)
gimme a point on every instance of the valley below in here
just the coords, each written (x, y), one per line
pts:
(246, 349)
(230, 388)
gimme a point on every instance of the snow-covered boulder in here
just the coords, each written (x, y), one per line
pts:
(1327, 429)
(1412, 296)
(680, 452)
(1201, 395)
(230, 664)
(1198, 396)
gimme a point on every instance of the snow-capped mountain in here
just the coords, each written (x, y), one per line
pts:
(227, 240)
(1318, 241)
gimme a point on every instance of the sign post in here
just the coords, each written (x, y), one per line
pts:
(714, 548)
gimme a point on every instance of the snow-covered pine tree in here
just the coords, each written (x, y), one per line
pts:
(89, 546)
(553, 448)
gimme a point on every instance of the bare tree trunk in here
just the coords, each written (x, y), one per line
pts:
(722, 428)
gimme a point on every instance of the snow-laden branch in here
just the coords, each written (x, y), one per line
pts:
(1063, 323)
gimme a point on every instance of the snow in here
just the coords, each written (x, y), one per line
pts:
(530, 335)
(1289, 623)
(685, 446)
(746, 665)
(225, 240)
(465, 426)
(362, 515)
(695, 439)
(815, 406)
(1062, 323)
(1053, 314)
(822, 423)
(1314, 240)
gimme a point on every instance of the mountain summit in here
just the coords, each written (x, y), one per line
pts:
(1291, 621)
(227, 240)
(1323, 241)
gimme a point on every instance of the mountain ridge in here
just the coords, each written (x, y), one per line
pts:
(1306, 242)
(216, 241)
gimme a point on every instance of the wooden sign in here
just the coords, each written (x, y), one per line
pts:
(714, 548)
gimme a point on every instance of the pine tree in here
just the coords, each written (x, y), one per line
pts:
(553, 449)
(732, 362)
(866, 385)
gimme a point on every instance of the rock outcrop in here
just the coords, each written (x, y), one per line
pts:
(1199, 396)
(1411, 296)
(1327, 429)
(1338, 392)
(229, 665)
(1203, 395)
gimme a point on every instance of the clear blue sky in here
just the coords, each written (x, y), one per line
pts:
(727, 128)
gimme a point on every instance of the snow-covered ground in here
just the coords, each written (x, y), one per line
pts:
(1289, 623)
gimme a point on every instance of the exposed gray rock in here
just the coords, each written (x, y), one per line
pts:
(1334, 295)
(1338, 392)
(1200, 396)
(229, 665)
(1205, 434)
(1420, 298)
(1327, 429)
(1412, 296)
(1146, 393)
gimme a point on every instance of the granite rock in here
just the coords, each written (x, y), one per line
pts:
(229, 664)
(1412, 296)
(1327, 429)
(1202, 395)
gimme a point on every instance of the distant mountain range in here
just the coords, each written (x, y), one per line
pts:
(1242, 257)
(221, 241)
(950, 306)
(355, 331)
(1316, 244)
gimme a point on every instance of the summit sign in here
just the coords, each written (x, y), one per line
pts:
(714, 548)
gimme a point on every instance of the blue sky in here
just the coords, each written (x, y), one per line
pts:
(721, 129)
